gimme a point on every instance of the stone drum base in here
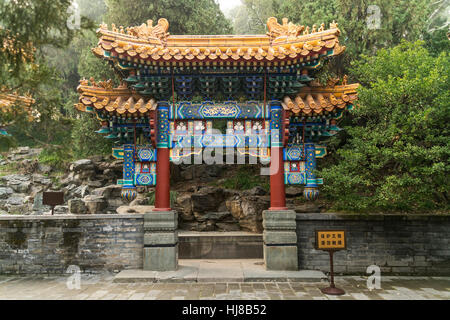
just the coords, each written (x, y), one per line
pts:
(160, 241)
(280, 240)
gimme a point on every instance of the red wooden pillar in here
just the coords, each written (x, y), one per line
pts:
(162, 193)
(277, 137)
(277, 192)
(161, 134)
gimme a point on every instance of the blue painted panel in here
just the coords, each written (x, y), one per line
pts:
(212, 110)
(218, 141)
(145, 179)
(146, 154)
(294, 178)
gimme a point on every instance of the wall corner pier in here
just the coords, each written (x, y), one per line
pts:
(161, 241)
(280, 240)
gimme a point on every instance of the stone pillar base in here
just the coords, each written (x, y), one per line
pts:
(161, 258)
(280, 240)
(161, 241)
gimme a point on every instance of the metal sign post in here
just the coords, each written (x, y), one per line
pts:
(331, 241)
(53, 199)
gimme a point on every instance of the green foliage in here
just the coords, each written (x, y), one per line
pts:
(185, 17)
(55, 157)
(9, 168)
(91, 66)
(251, 17)
(403, 19)
(29, 31)
(308, 12)
(399, 21)
(30, 25)
(5, 143)
(245, 178)
(242, 23)
(397, 154)
(437, 41)
(85, 141)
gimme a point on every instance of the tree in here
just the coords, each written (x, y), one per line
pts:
(438, 28)
(184, 16)
(371, 25)
(397, 154)
(67, 59)
(357, 19)
(437, 41)
(244, 22)
(27, 26)
(257, 12)
(27, 29)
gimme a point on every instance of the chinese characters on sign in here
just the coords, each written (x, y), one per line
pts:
(330, 240)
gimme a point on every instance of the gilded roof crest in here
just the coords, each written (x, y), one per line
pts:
(286, 29)
(145, 31)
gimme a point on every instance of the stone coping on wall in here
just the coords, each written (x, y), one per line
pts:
(372, 216)
(299, 216)
(71, 217)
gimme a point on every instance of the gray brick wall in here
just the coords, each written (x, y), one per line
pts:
(45, 244)
(398, 244)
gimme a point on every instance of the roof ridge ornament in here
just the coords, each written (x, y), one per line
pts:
(105, 84)
(286, 29)
(330, 82)
(13, 102)
(145, 31)
(151, 46)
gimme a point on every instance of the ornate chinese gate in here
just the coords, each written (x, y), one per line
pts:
(174, 88)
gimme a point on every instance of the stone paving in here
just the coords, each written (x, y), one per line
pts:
(102, 287)
(219, 270)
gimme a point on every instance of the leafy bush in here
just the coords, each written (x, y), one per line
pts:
(397, 154)
(57, 158)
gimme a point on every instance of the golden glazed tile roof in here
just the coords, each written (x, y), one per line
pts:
(103, 96)
(9, 98)
(12, 103)
(283, 42)
(315, 100)
(309, 101)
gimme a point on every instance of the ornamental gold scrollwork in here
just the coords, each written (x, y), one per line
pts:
(145, 31)
(219, 111)
(286, 29)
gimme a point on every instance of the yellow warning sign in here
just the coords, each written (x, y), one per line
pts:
(330, 240)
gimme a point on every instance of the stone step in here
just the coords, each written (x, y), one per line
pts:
(220, 245)
(220, 270)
